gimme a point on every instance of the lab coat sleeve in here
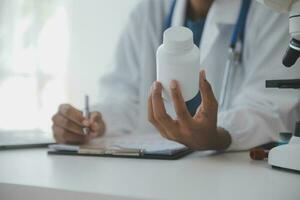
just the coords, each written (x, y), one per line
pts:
(257, 114)
(118, 89)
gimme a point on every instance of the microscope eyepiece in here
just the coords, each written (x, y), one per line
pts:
(292, 53)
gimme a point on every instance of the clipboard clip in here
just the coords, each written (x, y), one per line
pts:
(114, 152)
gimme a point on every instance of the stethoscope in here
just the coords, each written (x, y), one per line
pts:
(235, 49)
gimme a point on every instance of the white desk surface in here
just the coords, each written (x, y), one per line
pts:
(197, 176)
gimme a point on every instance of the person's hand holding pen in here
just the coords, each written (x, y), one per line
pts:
(71, 126)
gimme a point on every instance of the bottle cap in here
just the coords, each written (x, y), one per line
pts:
(178, 37)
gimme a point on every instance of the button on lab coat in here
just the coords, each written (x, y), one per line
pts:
(255, 114)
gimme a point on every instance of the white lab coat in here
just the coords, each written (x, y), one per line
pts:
(255, 116)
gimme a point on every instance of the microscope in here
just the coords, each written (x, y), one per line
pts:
(287, 156)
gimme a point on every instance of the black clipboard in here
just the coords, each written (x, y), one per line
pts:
(173, 156)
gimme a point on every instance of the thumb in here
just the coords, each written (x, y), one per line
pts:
(96, 123)
(95, 117)
(209, 101)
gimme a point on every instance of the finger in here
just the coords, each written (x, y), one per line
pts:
(179, 104)
(71, 113)
(160, 114)
(159, 111)
(208, 98)
(64, 136)
(151, 117)
(67, 124)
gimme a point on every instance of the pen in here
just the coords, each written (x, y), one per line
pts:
(86, 113)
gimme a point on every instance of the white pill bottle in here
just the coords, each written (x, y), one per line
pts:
(178, 59)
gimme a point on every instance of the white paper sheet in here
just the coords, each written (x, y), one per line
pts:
(149, 143)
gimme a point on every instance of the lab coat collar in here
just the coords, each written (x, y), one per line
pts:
(226, 10)
(222, 12)
(179, 13)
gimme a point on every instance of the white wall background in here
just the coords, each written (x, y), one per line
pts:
(95, 26)
(53, 52)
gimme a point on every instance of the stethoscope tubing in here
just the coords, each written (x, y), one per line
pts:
(234, 56)
(228, 67)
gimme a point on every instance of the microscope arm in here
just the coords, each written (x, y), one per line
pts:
(293, 8)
